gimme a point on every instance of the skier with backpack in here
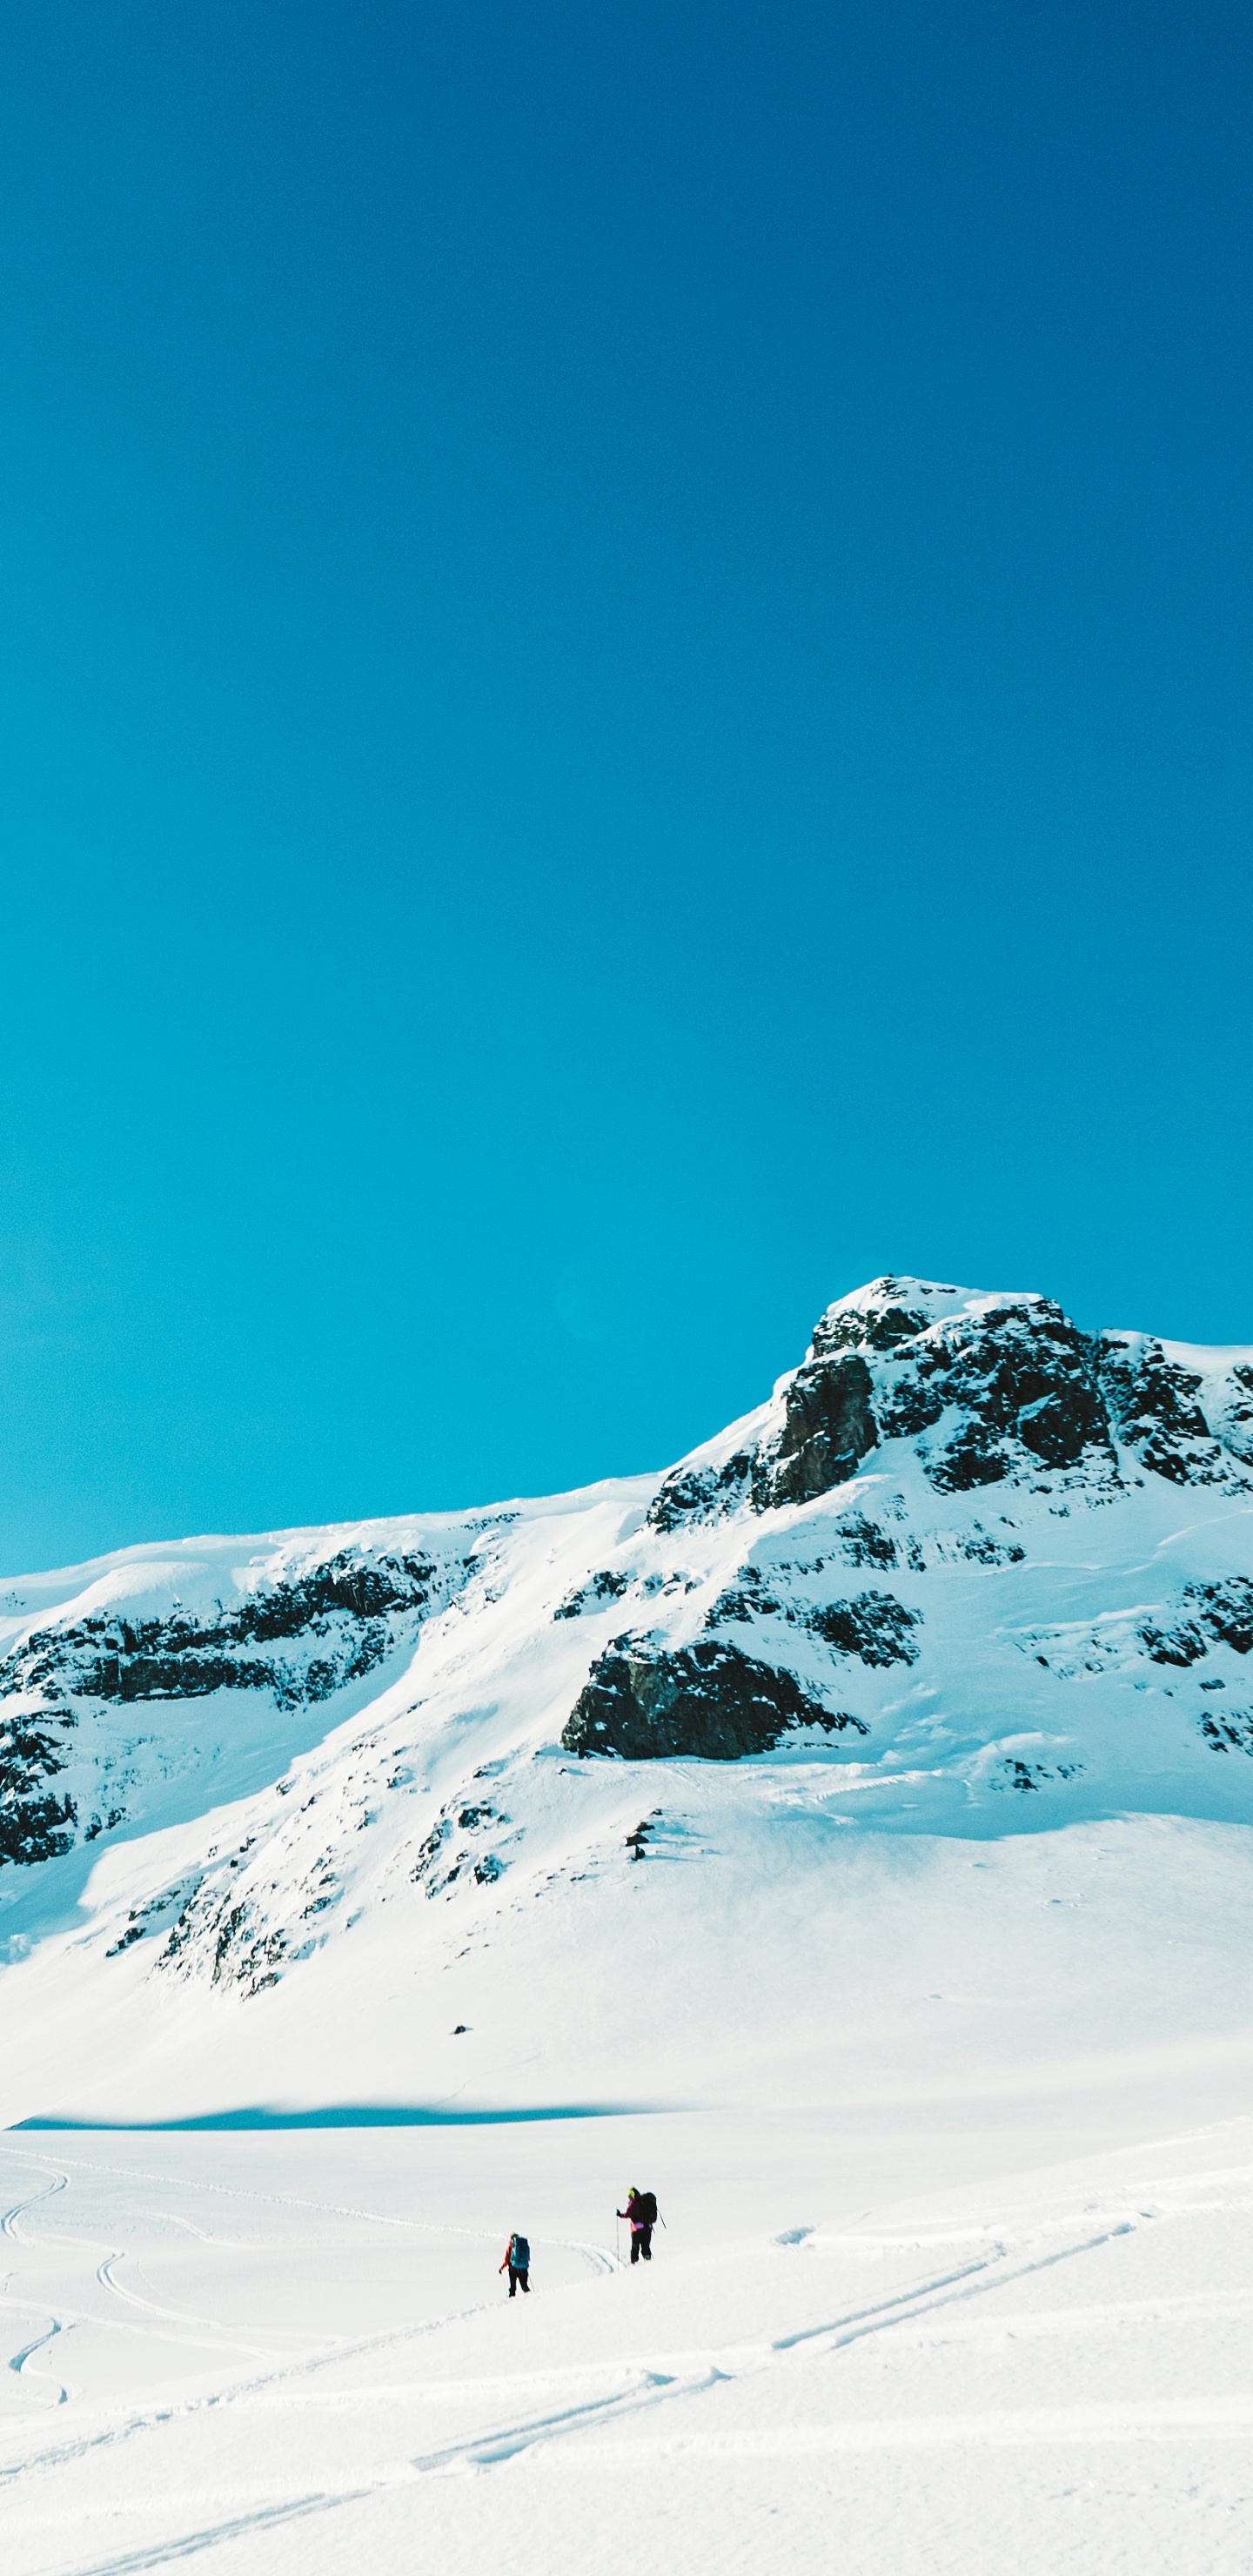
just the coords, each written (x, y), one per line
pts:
(641, 2209)
(517, 2263)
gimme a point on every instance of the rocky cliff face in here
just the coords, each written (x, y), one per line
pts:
(990, 1391)
(302, 1635)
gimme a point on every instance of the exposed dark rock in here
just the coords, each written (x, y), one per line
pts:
(746, 1598)
(1020, 1386)
(1183, 1644)
(909, 1404)
(1225, 1611)
(980, 1546)
(34, 1825)
(876, 1627)
(429, 1850)
(354, 1607)
(1213, 1614)
(828, 1428)
(104, 1824)
(1014, 1773)
(224, 1940)
(971, 1458)
(38, 1828)
(185, 1658)
(879, 1327)
(700, 1493)
(1230, 1733)
(30, 1751)
(705, 1701)
(1235, 1424)
(1157, 1408)
(1024, 1375)
(1154, 1405)
(863, 1542)
(439, 1867)
(592, 1595)
(1027, 1379)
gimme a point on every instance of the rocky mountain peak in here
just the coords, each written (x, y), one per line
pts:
(889, 1311)
(988, 1388)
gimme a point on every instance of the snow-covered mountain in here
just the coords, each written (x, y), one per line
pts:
(969, 1571)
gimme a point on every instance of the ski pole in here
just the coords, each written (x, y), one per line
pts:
(617, 2239)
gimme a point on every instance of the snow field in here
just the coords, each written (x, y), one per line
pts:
(293, 2352)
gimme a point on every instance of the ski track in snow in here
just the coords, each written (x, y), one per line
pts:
(283, 2367)
(505, 2443)
(567, 2412)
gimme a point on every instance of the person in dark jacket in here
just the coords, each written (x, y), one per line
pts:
(517, 2263)
(641, 2209)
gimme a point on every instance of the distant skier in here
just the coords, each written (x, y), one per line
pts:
(641, 2209)
(517, 2263)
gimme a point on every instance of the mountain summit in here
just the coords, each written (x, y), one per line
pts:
(970, 1569)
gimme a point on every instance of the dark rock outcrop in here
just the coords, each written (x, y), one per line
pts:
(700, 1493)
(705, 1701)
(593, 1595)
(1156, 1406)
(865, 1542)
(1027, 1381)
(828, 1428)
(1015, 1388)
(1234, 1422)
(880, 1326)
(347, 1601)
(34, 1824)
(352, 1611)
(1232, 1732)
(876, 1627)
(1214, 1614)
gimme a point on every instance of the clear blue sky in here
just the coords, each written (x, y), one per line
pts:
(627, 644)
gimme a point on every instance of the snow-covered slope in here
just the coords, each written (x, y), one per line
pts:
(277, 1814)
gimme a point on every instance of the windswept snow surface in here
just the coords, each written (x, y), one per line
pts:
(279, 2356)
(827, 1831)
